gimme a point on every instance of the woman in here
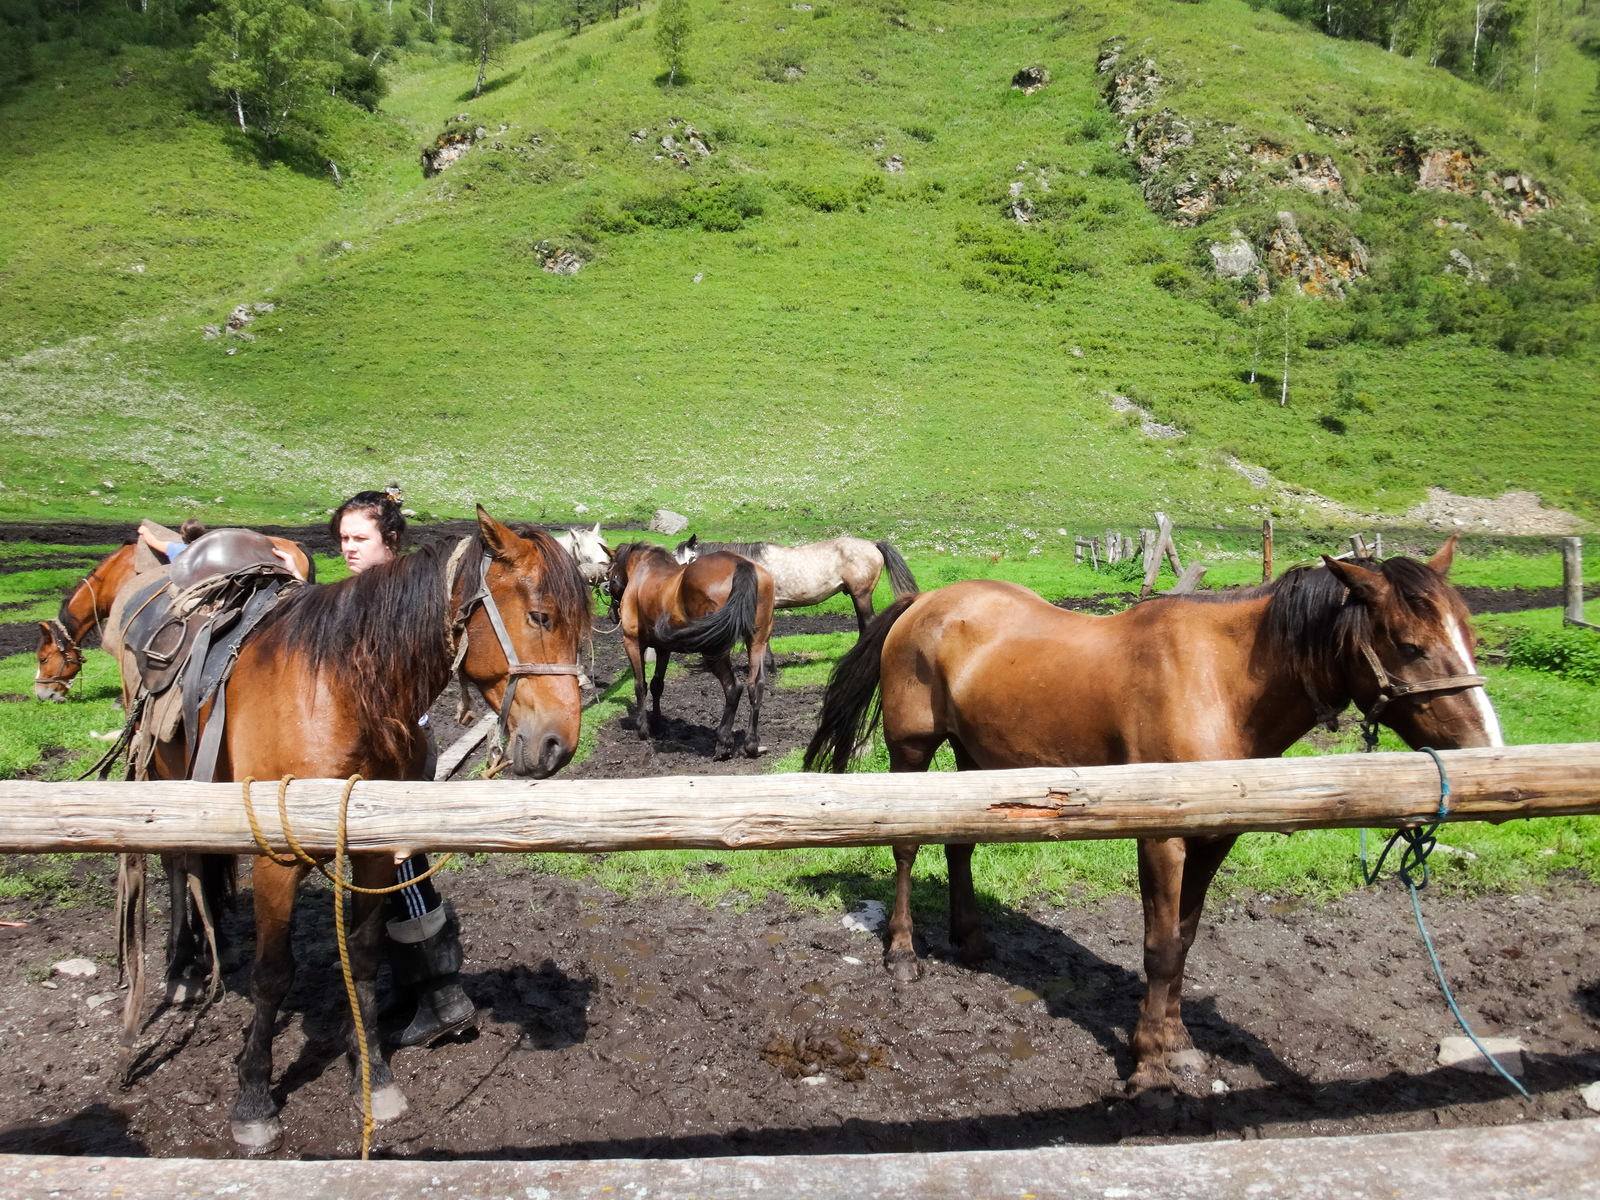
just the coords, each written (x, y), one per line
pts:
(424, 935)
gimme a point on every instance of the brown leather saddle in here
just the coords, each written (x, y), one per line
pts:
(189, 620)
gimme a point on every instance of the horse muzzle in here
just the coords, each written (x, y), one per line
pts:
(50, 693)
(538, 754)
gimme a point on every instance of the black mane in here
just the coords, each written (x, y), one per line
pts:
(750, 550)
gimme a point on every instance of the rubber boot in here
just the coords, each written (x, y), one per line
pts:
(425, 958)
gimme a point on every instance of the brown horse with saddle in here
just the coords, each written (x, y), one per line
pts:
(705, 607)
(88, 605)
(331, 681)
(1012, 681)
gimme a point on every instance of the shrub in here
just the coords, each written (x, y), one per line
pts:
(1569, 651)
(1172, 278)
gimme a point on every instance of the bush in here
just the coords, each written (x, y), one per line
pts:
(718, 210)
(1172, 278)
(1569, 651)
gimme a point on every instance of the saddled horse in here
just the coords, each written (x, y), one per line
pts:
(807, 575)
(88, 605)
(333, 683)
(706, 607)
(588, 550)
(1012, 681)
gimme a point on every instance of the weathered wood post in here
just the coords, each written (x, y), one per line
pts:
(1377, 544)
(1572, 581)
(1094, 552)
(1358, 545)
(1164, 532)
(1266, 551)
(1077, 550)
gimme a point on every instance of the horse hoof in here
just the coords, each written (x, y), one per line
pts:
(1149, 1077)
(1189, 1059)
(388, 1103)
(903, 965)
(975, 950)
(753, 750)
(182, 991)
(258, 1137)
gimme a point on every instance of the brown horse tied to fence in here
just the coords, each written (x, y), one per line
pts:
(87, 607)
(1012, 681)
(705, 607)
(333, 683)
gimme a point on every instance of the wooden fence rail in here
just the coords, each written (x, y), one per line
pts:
(771, 811)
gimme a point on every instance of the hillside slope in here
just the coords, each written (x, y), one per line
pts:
(784, 333)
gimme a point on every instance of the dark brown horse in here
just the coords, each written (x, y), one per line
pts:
(1011, 681)
(704, 608)
(333, 684)
(88, 605)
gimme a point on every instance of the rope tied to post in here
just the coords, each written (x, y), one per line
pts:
(340, 886)
(1419, 842)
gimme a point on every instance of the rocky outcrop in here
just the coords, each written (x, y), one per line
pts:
(459, 136)
(1029, 80)
(1513, 196)
(1313, 271)
(667, 521)
(1319, 176)
(558, 260)
(1148, 425)
(1132, 84)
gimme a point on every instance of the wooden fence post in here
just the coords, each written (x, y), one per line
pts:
(1077, 550)
(1358, 545)
(1266, 551)
(1094, 552)
(1572, 582)
(1377, 544)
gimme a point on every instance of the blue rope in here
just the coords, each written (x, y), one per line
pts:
(1419, 842)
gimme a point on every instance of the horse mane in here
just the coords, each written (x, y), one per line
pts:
(1309, 620)
(378, 638)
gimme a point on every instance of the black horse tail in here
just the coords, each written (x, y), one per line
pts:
(716, 633)
(900, 576)
(851, 706)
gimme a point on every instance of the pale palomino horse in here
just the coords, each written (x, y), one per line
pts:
(588, 550)
(807, 575)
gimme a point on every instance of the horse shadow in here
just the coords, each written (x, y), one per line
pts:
(98, 1130)
(1072, 981)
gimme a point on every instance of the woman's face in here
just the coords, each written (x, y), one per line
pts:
(361, 543)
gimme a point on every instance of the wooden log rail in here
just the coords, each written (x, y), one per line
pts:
(772, 811)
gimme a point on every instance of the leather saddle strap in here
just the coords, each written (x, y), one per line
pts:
(190, 686)
(523, 668)
(205, 761)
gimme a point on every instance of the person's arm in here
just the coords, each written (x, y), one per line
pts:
(159, 544)
(288, 561)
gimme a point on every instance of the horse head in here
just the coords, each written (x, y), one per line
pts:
(544, 609)
(1405, 642)
(60, 660)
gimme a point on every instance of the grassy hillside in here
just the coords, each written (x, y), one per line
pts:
(781, 335)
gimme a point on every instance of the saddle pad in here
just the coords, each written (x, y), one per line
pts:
(205, 675)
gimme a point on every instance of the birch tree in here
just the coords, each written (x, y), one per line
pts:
(674, 24)
(268, 58)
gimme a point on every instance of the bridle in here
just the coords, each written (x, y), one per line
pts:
(1391, 689)
(456, 634)
(71, 656)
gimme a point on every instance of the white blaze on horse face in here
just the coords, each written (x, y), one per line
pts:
(1480, 697)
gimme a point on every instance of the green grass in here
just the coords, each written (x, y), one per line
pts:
(831, 369)
(29, 728)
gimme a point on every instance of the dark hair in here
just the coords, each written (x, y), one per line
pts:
(191, 530)
(384, 510)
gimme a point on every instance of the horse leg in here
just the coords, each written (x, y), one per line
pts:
(861, 597)
(1160, 887)
(1202, 858)
(901, 956)
(364, 939)
(722, 668)
(183, 948)
(255, 1116)
(756, 686)
(636, 660)
(658, 684)
(966, 928)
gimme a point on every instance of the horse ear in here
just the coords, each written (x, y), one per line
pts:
(1365, 585)
(608, 551)
(496, 536)
(1441, 561)
(597, 529)
(694, 540)
(45, 636)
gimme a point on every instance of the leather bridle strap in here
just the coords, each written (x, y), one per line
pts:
(515, 667)
(71, 654)
(1391, 689)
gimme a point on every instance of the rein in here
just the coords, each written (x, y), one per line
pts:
(456, 635)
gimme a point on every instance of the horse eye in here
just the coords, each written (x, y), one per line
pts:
(540, 619)
(1411, 650)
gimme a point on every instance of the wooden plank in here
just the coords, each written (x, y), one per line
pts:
(1266, 551)
(1358, 546)
(1572, 579)
(460, 748)
(1536, 1161)
(770, 811)
(1189, 580)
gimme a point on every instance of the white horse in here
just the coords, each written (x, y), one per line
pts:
(806, 575)
(588, 550)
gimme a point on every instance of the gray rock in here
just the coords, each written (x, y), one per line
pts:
(1235, 259)
(1590, 1095)
(1460, 1052)
(76, 968)
(894, 164)
(667, 521)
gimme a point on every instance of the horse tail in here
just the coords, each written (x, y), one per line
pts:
(851, 706)
(716, 633)
(900, 576)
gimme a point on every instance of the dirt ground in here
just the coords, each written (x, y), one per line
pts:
(661, 1027)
